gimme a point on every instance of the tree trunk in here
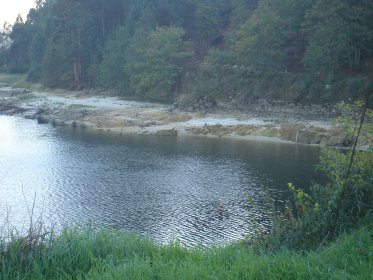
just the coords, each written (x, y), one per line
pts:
(77, 70)
(103, 23)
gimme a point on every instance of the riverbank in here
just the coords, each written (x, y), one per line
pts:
(100, 111)
(105, 254)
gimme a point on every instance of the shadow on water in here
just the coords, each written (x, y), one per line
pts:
(187, 188)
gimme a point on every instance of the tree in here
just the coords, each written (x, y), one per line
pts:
(241, 48)
(111, 73)
(77, 29)
(53, 66)
(37, 46)
(155, 61)
(216, 78)
(208, 22)
(36, 54)
(18, 52)
(258, 45)
(242, 10)
(292, 13)
(339, 34)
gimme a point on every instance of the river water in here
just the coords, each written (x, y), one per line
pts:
(190, 189)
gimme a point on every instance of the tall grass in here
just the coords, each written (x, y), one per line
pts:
(107, 254)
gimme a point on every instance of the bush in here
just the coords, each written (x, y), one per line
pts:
(344, 203)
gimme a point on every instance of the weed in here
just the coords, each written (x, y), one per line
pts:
(108, 254)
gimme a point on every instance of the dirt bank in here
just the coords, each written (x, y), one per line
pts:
(108, 113)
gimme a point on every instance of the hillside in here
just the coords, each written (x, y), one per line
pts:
(230, 51)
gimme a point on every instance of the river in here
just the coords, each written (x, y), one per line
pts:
(191, 189)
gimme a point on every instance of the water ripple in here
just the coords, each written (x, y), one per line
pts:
(188, 189)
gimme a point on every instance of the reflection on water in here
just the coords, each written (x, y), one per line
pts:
(186, 188)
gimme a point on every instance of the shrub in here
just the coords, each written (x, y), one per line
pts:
(341, 205)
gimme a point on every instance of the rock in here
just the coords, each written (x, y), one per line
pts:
(167, 132)
(58, 122)
(316, 137)
(289, 131)
(243, 130)
(199, 130)
(148, 124)
(16, 91)
(40, 111)
(29, 114)
(303, 137)
(271, 132)
(42, 119)
(69, 123)
(217, 130)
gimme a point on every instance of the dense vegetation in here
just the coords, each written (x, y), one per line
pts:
(116, 255)
(187, 50)
(343, 204)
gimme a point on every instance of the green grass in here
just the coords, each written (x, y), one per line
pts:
(12, 79)
(84, 254)
(79, 106)
(28, 97)
(18, 81)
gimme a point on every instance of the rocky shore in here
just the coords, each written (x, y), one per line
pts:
(264, 121)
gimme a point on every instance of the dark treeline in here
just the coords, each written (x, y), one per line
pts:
(298, 50)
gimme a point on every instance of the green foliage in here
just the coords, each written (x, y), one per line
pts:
(344, 203)
(107, 254)
(212, 80)
(14, 80)
(38, 43)
(18, 51)
(36, 53)
(155, 62)
(269, 47)
(208, 21)
(51, 63)
(111, 73)
(259, 42)
(301, 50)
(348, 121)
(241, 10)
(339, 35)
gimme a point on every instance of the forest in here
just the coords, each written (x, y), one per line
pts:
(301, 51)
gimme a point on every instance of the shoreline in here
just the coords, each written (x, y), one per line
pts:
(116, 115)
